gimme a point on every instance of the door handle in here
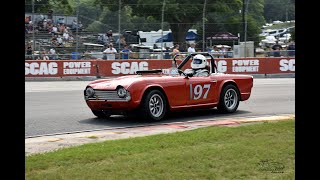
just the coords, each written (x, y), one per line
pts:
(213, 81)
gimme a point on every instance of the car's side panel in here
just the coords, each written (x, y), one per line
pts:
(201, 90)
(243, 82)
(173, 88)
(245, 87)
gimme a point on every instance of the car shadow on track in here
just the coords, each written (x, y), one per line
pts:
(174, 117)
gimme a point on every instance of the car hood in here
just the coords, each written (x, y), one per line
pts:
(125, 81)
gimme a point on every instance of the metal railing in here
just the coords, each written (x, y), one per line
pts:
(147, 55)
(282, 53)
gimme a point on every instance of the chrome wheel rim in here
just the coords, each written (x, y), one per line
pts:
(231, 98)
(156, 105)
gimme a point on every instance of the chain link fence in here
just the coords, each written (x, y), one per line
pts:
(87, 30)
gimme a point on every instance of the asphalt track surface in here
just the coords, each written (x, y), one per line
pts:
(59, 107)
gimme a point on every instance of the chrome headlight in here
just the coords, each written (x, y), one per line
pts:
(89, 91)
(122, 92)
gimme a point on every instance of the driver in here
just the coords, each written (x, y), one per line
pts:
(199, 66)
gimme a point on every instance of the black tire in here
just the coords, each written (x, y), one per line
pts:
(100, 114)
(229, 99)
(153, 106)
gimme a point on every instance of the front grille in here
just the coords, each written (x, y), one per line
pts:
(106, 95)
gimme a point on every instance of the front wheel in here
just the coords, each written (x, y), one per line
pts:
(153, 106)
(229, 99)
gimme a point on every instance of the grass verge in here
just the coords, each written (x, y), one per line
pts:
(259, 151)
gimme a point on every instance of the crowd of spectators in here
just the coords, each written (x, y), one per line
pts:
(60, 33)
(59, 30)
(278, 50)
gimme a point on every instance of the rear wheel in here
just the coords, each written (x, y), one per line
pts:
(100, 114)
(229, 99)
(153, 106)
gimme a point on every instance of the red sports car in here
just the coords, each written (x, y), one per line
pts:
(153, 93)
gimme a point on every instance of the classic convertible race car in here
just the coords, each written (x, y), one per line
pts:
(151, 94)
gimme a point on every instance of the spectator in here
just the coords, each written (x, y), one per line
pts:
(27, 20)
(276, 49)
(30, 27)
(222, 52)
(71, 38)
(41, 18)
(229, 53)
(53, 54)
(100, 39)
(125, 52)
(54, 40)
(155, 46)
(66, 36)
(80, 25)
(191, 49)
(26, 29)
(167, 53)
(109, 37)
(74, 25)
(122, 41)
(49, 27)
(50, 14)
(29, 51)
(291, 49)
(61, 21)
(59, 41)
(175, 50)
(110, 52)
(43, 55)
(54, 30)
(62, 27)
(109, 33)
(215, 52)
(209, 49)
(44, 24)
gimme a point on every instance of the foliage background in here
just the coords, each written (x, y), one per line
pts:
(179, 15)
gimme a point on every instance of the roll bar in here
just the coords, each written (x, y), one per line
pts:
(212, 62)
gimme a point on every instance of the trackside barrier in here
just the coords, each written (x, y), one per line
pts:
(104, 68)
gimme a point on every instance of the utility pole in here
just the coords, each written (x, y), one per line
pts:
(77, 31)
(33, 23)
(203, 25)
(243, 18)
(119, 27)
(162, 19)
(245, 30)
(287, 10)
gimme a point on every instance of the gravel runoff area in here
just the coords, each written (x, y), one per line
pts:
(48, 143)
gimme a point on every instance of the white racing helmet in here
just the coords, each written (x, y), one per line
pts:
(199, 62)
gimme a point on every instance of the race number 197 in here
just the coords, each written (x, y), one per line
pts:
(197, 91)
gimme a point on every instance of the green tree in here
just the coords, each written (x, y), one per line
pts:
(108, 20)
(228, 18)
(293, 34)
(279, 10)
(43, 6)
(181, 15)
